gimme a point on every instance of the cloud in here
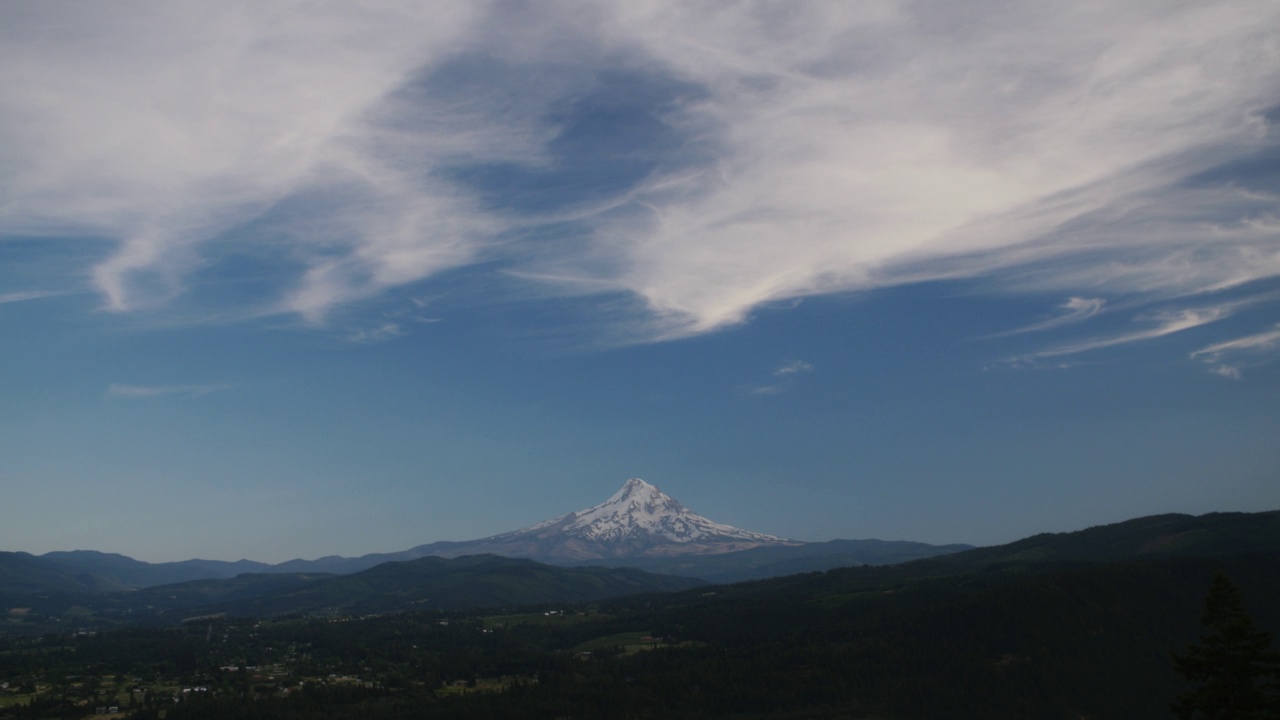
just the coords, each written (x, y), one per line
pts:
(857, 151)
(792, 368)
(702, 159)
(1261, 341)
(385, 331)
(1163, 323)
(123, 390)
(1074, 310)
(1227, 371)
(785, 374)
(1168, 322)
(1255, 345)
(24, 296)
(167, 128)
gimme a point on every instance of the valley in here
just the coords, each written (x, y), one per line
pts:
(1078, 624)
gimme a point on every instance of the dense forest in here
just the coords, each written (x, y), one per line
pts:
(1061, 639)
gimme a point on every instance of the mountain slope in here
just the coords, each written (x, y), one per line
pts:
(137, 574)
(1053, 639)
(430, 583)
(642, 527)
(1175, 535)
(639, 526)
(1161, 541)
(24, 574)
(637, 521)
(1156, 539)
(1077, 625)
(475, 581)
(777, 560)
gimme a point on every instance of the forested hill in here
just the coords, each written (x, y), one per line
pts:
(1029, 639)
(45, 593)
(1152, 536)
(1152, 547)
(430, 583)
(1072, 625)
(23, 574)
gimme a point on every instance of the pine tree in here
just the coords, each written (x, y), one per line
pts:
(1236, 673)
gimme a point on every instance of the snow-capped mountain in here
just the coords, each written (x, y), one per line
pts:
(639, 526)
(637, 521)
(641, 514)
(642, 527)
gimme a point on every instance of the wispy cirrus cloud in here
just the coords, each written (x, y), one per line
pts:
(165, 128)
(1160, 325)
(1223, 357)
(381, 333)
(1164, 322)
(24, 296)
(124, 390)
(784, 376)
(1074, 310)
(897, 158)
(702, 159)
(792, 368)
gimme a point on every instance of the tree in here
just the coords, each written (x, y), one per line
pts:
(1236, 673)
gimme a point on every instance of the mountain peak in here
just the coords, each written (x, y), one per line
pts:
(639, 491)
(634, 486)
(638, 520)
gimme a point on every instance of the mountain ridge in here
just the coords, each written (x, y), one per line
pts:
(47, 595)
(428, 583)
(637, 526)
(639, 520)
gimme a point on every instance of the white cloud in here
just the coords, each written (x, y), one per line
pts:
(1074, 310)
(123, 390)
(1226, 371)
(1163, 323)
(785, 375)
(1168, 322)
(860, 150)
(827, 147)
(1255, 345)
(24, 296)
(385, 331)
(1268, 340)
(793, 367)
(163, 127)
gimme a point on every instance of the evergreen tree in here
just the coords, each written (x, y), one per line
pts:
(1236, 673)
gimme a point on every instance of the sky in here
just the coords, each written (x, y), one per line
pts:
(290, 279)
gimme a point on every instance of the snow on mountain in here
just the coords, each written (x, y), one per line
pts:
(637, 521)
(642, 510)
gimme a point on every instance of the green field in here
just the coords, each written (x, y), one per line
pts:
(537, 618)
(486, 685)
(630, 642)
(11, 699)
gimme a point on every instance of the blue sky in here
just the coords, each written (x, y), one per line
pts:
(290, 279)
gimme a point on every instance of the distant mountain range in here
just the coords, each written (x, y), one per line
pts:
(39, 593)
(1077, 624)
(429, 583)
(635, 541)
(639, 526)
(637, 521)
